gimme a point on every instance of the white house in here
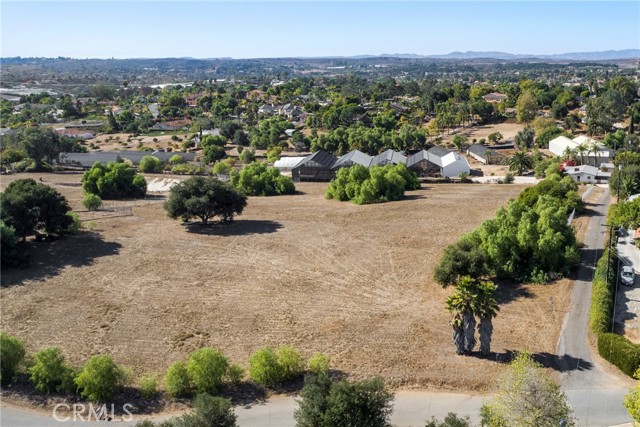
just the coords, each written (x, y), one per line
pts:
(451, 164)
(588, 174)
(594, 153)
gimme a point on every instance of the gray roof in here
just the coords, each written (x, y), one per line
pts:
(438, 151)
(353, 157)
(480, 150)
(388, 156)
(318, 159)
(88, 159)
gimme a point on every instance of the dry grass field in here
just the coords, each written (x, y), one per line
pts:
(352, 281)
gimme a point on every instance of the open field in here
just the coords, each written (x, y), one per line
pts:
(352, 281)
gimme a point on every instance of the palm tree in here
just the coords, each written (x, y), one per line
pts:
(520, 162)
(581, 149)
(568, 153)
(463, 304)
(487, 308)
(593, 149)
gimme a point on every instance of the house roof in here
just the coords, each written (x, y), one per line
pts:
(389, 156)
(582, 169)
(355, 157)
(481, 151)
(287, 162)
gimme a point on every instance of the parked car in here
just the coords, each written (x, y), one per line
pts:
(627, 275)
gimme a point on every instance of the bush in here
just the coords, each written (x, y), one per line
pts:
(148, 386)
(257, 179)
(91, 202)
(176, 380)
(319, 364)
(221, 168)
(290, 363)
(234, 374)
(619, 351)
(176, 160)
(451, 420)
(209, 411)
(343, 403)
(50, 372)
(100, 378)
(602, 293)
(206, 368)
(213, 153)
(509, 178)
(247, 156)
(264, 368)
(115, 180)
(11, 356)
(368, 185)
(151, 164)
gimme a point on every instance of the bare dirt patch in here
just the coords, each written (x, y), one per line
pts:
(352, 281)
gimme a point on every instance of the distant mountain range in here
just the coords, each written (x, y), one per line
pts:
(606, 55)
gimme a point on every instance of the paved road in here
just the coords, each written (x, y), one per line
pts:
(595, 395)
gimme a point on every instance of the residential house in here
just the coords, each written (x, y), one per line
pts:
(266, 109)
(587, 174)
(593, 152)
(75, 133)
(495, 97)
(290, 111)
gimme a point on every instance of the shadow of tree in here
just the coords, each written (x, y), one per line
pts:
(48, 259)
(564, 363)
(510, 290)
(235, 228)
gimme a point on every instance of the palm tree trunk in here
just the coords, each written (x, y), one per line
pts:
(485, 329)
(469, 326)
(458, 339)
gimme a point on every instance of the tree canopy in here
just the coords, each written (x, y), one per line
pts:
(115, 180)
(204, 198)
(29, 207)
(258, 179)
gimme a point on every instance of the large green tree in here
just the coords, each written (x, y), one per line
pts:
(115, 180)
(28, 207)
(526, 107)
(204, 198)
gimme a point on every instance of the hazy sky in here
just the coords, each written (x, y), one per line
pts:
(208, 29)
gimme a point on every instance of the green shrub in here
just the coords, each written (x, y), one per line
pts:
(91, 202)
(319, 364)
(364, 185)
(100, 378)
(50, 372)
(176, 160)
(234, 374)
(270, 367)
(602, 293)
(206, 368)
(11, 356)
(148, 386)
(619, 351)
(221, 168)
(257, 179)
(115, 180)
(247, 156)
(290, 363)
(151, 164)
(208, 411)
(176, 380)
(264, 368)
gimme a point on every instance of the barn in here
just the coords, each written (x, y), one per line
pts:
(484, 154)
(420, 164)
(316, 167)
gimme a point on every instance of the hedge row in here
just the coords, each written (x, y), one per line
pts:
(619, 351)
(602, 293)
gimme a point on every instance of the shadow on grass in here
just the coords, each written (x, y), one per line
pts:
(48, 259)
(235, 228)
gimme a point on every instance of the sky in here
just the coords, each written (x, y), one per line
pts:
(259, 29)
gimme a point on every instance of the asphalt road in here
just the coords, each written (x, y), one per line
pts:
(595, 395)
